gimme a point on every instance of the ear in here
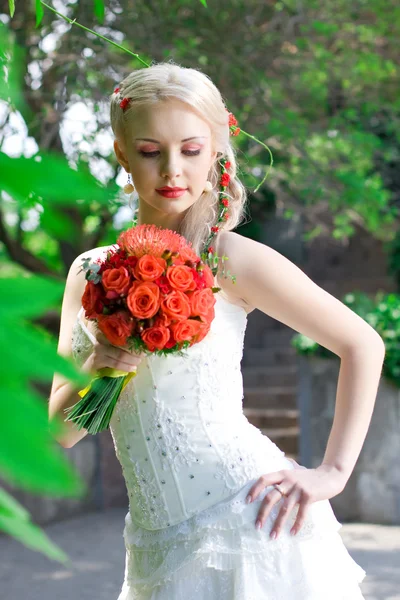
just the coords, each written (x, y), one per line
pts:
(123, 161)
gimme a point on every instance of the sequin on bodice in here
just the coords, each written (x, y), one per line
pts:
(178, 427)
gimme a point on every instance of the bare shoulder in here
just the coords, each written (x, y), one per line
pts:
(224, 241)
(267, 280)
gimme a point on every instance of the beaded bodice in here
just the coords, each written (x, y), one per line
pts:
(178, 427)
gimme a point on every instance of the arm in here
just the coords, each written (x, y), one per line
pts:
(64, 393)
(268, 281)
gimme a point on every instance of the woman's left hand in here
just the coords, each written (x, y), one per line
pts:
(301, 486)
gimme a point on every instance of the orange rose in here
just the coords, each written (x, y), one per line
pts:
(204, 329)
(149, 268)
(176, 305)
(208, 316)
(91, 300)
(186, 330)
(201, 301)
(155, 338)
(116, 282)
(143, 299)
(180, 277)
(116, 327)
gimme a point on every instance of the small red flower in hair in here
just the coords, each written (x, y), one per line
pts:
(225, 179)
(232, 120)
(215, 229)
(227, 165)
(235, 131)
(116, 90)
(226, 216)
(210, 249)
(225, 201)
(124, 103)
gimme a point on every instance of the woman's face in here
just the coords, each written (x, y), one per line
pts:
(159, 154)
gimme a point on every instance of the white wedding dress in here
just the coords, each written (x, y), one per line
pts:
(189, 456)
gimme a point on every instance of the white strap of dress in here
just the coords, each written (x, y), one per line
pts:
(85, 329)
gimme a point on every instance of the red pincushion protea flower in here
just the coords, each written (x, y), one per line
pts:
(150, 239)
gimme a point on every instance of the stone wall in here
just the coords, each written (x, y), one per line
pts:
(372, 493)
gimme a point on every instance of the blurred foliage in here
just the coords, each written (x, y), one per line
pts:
(29, 457)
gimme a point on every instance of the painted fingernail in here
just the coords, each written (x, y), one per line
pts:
(293, 532)
(248, 499)
(273, 535)
(258, 525)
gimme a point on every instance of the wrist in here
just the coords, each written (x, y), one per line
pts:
(334, 470)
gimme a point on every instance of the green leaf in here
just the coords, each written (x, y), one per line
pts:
(57, 224)
(77, 186)
(15, 521)
(39, 13)
(99, 10)
(29, 457)
(11, 5)
(41, 291)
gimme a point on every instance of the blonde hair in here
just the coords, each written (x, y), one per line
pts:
(165, 80)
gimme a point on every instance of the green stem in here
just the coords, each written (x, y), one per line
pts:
(270, 153)
(74, 22)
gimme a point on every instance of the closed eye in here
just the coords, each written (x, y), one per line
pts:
(152, 154)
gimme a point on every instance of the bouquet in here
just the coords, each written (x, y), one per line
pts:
(151, 294)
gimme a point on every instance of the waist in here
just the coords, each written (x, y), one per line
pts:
(169, 484)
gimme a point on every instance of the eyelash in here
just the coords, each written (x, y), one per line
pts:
(152, 154)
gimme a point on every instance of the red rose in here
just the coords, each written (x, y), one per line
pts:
(156, 337)
(116, 327)
(92, 300)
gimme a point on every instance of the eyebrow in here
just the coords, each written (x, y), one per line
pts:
(185, 140)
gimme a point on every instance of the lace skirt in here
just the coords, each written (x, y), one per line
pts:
(218, 554)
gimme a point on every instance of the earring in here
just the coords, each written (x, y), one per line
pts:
(208, 186)
(129, 188)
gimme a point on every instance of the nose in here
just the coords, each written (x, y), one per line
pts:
(171, 167)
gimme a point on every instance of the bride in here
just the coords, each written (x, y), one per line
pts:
(216, 510)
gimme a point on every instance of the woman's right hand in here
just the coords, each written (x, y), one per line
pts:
(105, 354)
